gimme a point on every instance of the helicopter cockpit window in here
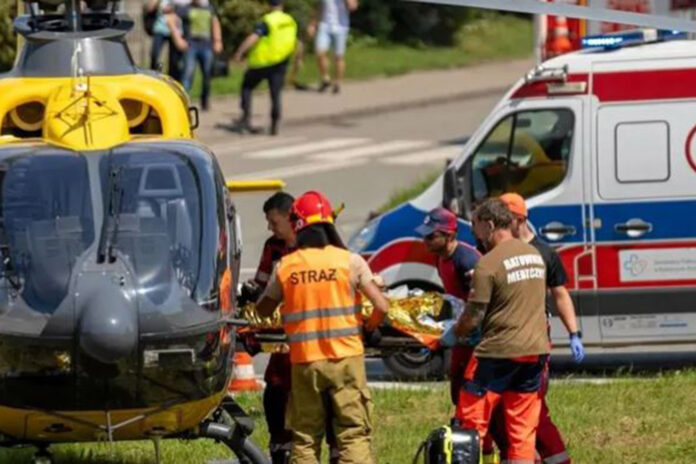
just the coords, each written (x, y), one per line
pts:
(45, 224)
(154, 205)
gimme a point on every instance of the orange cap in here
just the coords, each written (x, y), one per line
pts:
(515, 203)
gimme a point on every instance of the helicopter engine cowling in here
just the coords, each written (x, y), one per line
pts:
(108, 326)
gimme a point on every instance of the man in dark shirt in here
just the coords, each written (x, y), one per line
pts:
(455, 263)
(549, 442)
(277, 376)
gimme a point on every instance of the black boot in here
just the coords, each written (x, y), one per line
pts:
(324, 86)
(243, 126)
(280, 457)
(274, 128)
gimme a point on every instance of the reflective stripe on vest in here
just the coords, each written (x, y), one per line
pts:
(278, 44)
(321, 314)
(323, 334)
(324, 312)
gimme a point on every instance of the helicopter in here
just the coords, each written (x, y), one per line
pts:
(119, 246)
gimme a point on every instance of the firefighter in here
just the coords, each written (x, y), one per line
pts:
(318, 285)
(455, 265)
(277, 392)
(507, 301)
(549, 442)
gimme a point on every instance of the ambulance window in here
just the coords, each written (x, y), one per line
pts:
(527, 152)
(642, 152)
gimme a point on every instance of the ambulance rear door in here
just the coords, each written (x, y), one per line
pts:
(644, 201)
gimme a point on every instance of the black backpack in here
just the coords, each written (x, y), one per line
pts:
(149, 18)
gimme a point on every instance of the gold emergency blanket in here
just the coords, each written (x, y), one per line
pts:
(407, 314)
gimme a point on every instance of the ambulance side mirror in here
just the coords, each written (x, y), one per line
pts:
(451, 192)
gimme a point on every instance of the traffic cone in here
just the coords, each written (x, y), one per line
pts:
(560, 38)
(243, 376)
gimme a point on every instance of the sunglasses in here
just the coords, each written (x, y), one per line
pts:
(434, 235)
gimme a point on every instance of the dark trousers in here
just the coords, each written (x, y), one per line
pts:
(175, 56)
(201, 52)
(275, 75)
(158, 41)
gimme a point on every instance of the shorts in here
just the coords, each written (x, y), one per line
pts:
(331, 37)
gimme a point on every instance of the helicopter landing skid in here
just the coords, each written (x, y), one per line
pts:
(42, 456)
(232, 426)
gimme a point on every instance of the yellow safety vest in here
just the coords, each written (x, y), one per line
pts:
(278, 45)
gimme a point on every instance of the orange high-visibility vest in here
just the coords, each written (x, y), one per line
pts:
(321, 314)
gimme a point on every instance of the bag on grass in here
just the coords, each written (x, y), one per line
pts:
(450, 445)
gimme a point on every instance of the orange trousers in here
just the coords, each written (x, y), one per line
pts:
(512, 384)
(521, 412)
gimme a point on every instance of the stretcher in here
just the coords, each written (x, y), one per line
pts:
(413, 321)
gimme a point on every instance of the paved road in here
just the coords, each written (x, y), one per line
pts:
(358, 161)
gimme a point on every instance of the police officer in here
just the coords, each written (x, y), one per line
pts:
(318, 285)
(270, 47)
(507, 300)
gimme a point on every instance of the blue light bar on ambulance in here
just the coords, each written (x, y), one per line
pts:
(622, 39)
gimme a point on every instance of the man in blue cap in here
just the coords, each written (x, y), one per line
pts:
(455, 265)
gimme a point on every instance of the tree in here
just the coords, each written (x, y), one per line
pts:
(8, 41)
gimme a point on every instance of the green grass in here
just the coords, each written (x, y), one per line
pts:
(405, 194)
(631, 420)
(494, 38)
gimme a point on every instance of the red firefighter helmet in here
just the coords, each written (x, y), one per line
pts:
(310, 208)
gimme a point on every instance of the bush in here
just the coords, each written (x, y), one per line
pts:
(8, 42)
(411, 23)
(385, 20)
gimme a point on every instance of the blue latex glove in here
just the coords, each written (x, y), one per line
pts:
(576, 348)
(449, 339)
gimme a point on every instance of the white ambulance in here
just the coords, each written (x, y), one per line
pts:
(602, 144)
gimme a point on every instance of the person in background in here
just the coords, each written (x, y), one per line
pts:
(298, 58)
(200, 37)
(163, 11)
(332, 32)
(270, 48)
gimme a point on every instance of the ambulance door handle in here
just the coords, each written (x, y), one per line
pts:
(554, 231)
(634, 228)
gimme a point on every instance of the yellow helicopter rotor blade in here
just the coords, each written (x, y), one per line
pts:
(263, 185)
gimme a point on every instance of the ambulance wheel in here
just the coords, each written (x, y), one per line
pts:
(419, 365)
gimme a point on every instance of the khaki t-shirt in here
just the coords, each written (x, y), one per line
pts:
(360, 275)
(511, 280)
